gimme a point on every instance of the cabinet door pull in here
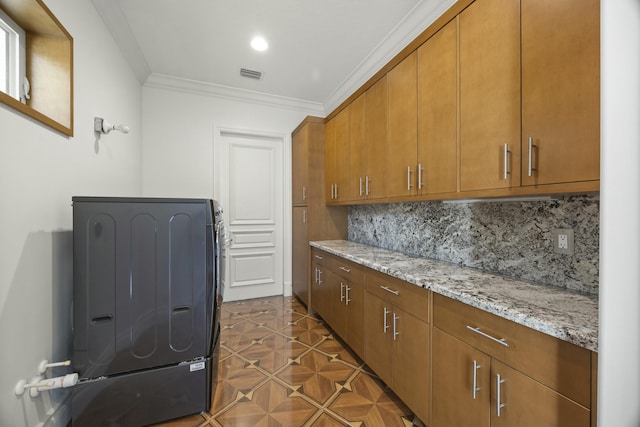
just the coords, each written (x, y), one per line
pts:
(316, 272)
(499, 404)
(389, 290)
(304, 193)
(318, 257)
(501, 341)
(337, 197)
(408, 178)
(304, 216)
(395, 326)
(532, 146)
(346, 270)
(319, 277)
(348, 300)
(385, 325)
(476, 389)
(360, 186)
(342, 291)
(420, 170)
(506, 162)
(366, 186)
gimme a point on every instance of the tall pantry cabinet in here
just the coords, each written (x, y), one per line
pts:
(312, 219)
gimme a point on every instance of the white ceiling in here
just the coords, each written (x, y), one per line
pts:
(320, 51)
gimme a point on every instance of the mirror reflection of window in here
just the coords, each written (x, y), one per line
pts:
(12, 57)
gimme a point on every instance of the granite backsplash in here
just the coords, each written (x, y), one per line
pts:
(509, 238)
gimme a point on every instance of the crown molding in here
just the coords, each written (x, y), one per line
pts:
(117, 25)
(162, 81)
(407, 30)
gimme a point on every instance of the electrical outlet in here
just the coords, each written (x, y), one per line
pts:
(563, 241)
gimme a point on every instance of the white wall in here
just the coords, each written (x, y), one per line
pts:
(619, 340)
(40, 170)
(178, 151)
(178, 147)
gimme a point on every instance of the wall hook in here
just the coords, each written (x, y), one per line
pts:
(101, 126)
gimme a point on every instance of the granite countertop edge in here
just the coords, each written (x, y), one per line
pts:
(561, 313)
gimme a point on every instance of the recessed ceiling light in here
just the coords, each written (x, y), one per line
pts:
(259, 44)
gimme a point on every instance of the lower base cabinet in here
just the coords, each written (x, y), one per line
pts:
(450, 363)
(473, 387)
(397, 339)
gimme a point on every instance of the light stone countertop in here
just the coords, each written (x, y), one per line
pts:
(567, 315)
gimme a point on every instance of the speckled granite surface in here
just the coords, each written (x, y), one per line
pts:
(508, 238)
(567, 315)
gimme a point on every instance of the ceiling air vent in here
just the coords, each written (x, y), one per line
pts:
(244, 72)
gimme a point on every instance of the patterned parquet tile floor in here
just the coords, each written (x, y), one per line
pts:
(281, 366)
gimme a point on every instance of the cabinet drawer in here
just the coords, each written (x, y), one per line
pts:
(319, 257)
(348, 270)
(557, 364)
(411, 298)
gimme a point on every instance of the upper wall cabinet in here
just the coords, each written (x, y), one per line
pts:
(376, 139)
(560, 91)
(499, 98)
(490, 95)
(402, 132)
(49, 66)
(337, 158)
(438, 112)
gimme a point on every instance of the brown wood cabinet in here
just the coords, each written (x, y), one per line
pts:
(438, 112)
(312, 219)
(300, 253)
(490, 95)
(506, 374)
(359, 166)
(501, 97)
(403, 127)
(397, 338)
(337, 158)
(338, 287)
(560, 91)
(376, 122)
(320, 290)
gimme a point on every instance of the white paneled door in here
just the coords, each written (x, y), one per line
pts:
(251, 193)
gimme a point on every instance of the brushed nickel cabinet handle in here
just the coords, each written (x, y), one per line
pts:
(384, 323)
(476, 389)
(500, 341)
(346, 270)
(390, 290)
(532, 147)
(395, 326)
(499, 404)
(506, 162)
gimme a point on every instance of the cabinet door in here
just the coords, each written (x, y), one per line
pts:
(320, 291)
(355, 317)
(378, 336)
(525, 402)
(337, 157)
(331, 153)
(560, 91)
(403, 127)
(357, 148)
(411, 367)
(341, 191)
(437, 112)
(300, 175)
(337, 314)
(376, 139)
(456, 367)
(300, 249)
(490, 95)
